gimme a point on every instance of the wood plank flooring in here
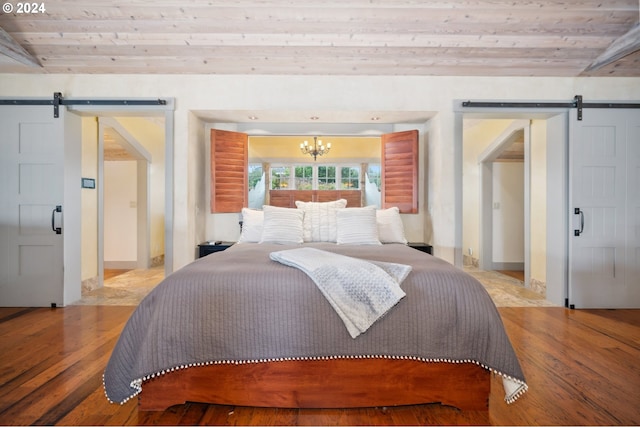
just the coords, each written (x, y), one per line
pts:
(582, 367)
(516, 274)
(110, 273)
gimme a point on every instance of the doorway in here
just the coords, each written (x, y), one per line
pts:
(126, 214)
(548, 196)
(133, 194)
(126, 197)
(504, 196)
(504, 201)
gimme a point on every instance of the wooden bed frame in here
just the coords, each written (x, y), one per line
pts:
(337, 383)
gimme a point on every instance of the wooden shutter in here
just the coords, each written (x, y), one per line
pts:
(229, 171)
(400, 171)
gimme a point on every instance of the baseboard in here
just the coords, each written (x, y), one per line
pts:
(514, 266)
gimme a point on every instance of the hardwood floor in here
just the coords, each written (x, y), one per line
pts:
(110, 273)
(516, 274)
(581, 367)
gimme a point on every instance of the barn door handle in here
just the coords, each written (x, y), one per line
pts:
(577, 211)
(57, 230)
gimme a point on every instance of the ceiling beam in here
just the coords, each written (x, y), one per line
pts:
(10, 48)
(621, 47)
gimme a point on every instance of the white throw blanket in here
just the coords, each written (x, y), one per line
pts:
(360, 291)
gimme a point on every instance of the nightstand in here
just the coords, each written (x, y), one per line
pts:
(207, 248)
(423, 247)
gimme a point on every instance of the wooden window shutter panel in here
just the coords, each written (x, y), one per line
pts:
(229, 171)
(400, 171)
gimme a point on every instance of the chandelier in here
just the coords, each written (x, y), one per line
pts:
(318, 149)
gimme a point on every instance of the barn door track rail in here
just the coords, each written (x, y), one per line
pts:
(59, 100)
(576, 103)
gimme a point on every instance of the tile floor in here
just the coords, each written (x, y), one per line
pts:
(124, 289)
(507, 291)
(130, 287)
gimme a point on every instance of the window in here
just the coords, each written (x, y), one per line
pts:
(374, 175)
(349, 178)
(326, 177)
(315, 177)
(255, 175)
(280, 177)
(304, 177)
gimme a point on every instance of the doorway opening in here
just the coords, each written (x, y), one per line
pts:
(498, 198)
(124, 221)
(504, 196)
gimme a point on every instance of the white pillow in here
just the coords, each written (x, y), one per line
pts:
(252, 220)
(390, 227)
(357, 226)
(282, 225)
(320, 223)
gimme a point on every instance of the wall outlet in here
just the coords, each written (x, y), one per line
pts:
(470, 251)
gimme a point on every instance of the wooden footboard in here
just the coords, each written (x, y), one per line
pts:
(341, 383)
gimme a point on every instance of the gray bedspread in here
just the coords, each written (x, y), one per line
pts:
(238, 306)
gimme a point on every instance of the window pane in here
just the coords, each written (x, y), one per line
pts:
(256, 186)
(326, 177)
(373, 173)
(279, 178)
(255, 174)
(350, 178)
(304, 177)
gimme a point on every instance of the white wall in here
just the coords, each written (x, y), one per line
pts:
(72, 207)
(508, 212)
(478, 135)
(150, 134)
(538, 218)
(120, 214)
(89, 199)
(434, 95)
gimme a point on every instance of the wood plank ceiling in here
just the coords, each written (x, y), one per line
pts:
(332, 37)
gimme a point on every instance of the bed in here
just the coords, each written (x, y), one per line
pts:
(240, 327)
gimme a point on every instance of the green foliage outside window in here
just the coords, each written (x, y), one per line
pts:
(350, 178)
(304, 177)
(280, 178)
(326, 177)
(255, 174)
(374, 174)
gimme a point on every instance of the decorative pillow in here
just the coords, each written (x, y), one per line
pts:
(319, 223)
(390, 227)
(282, 225)
(252, 220)
(357, 226)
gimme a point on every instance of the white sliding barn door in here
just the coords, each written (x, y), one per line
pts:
(605, 206)
(32, 171)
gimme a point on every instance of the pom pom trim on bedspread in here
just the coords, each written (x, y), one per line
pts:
(136, 384)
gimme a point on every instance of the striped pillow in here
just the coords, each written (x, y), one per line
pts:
(357, 226)
(319, 223)
(282, 225)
